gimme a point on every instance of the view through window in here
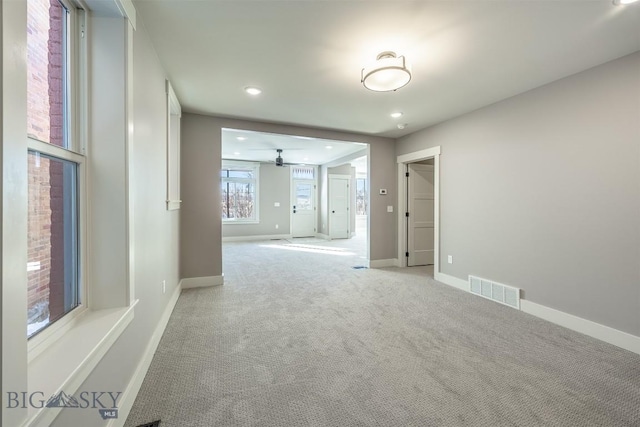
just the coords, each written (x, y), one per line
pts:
(238, 185)
(52, 280)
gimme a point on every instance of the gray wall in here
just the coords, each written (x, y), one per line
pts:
(274, 186)
(200, 220)
(155, 232)
(200, 227)
(541, 191)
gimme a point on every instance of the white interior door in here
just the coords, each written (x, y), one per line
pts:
(420, 224)
(339, 207)
(303, 217)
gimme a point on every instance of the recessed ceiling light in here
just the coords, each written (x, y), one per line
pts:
(329, 147)
(241, 138)
(251, 90)
(236, 153)
(623, 2)
(396, 114)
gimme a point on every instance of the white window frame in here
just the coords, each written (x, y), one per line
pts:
(68, 358)
(174, 113)
(75, 152)
(255, 167)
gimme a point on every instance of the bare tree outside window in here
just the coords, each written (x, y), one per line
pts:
(238, 190)
(361, 196)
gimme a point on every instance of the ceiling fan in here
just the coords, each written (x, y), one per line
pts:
(280, 161)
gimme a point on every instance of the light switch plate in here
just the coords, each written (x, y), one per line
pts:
(389, 208)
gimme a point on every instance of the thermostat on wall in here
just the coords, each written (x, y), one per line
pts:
(383, 191)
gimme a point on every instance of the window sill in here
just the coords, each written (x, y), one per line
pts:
(67, 363)
(239, 222)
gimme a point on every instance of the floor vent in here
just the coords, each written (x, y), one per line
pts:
(359, 267)
(494, 291)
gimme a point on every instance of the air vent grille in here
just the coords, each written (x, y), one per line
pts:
(503, 294)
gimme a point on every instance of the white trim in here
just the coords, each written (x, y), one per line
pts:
(323, 236)
(403, 160)
(173, 204)
(103, 327)
(419, 155)
(129, 395)
(256, 238)
(584, 326)
(595, 330)
(129, 139)
(128, 10)
(201, 282)
(174, 112)
(382, 263)
(39, 343)
(463, 285)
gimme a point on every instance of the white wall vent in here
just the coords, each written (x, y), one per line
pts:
(507, 295)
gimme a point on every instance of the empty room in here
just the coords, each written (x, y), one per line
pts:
(320, 213)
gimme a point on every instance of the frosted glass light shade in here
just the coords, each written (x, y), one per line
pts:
(387, 74)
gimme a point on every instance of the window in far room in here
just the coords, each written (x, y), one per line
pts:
(239, 191)
(361, 196)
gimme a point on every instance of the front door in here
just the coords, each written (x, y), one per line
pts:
(420, 224)
(303, 217)
(339, 207)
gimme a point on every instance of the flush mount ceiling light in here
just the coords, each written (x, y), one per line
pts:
(251, 90)
(390, 72)
(623, 2)
(396, 115)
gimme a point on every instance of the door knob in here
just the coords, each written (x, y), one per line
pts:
(294, 211)
(333, 211)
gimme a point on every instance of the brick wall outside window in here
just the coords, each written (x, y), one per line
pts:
(45, 119)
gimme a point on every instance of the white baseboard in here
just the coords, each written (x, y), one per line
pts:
(256, 238)
(584, 326)
(381, 263)
(201, 282)
(129, 395)
(595, 330)
(323, 236)
(452, 281)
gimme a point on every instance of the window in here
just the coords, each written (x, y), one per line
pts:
(174, 112)
(361, 196)
(303, 172)
(239, 190)
(54, 166)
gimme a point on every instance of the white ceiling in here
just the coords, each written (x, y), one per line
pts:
(260, 146)
(307, 55)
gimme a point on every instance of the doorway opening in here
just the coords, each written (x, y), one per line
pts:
(276, 188)
(418, 217)
(419, 213)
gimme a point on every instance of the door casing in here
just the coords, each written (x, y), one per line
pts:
(402, 161)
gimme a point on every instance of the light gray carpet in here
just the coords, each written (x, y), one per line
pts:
(296, 337)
